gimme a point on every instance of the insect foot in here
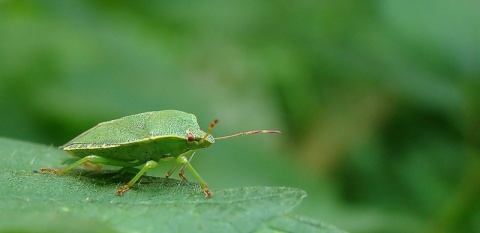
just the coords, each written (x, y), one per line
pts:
(50, 170)
(121, 190)
(207, 192)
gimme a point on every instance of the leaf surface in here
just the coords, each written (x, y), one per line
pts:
(83, 200)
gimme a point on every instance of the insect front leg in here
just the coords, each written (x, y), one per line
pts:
(182, 159)
(181, 172)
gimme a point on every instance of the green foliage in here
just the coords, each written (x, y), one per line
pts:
(84, 201)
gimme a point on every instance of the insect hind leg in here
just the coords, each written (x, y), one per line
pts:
(85, 160)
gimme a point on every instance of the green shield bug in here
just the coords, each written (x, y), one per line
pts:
(144, 139)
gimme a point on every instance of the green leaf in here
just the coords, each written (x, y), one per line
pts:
(84, 201)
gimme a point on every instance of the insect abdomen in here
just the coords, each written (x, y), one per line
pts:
(145, 150)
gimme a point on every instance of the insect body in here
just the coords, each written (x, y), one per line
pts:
(144, 139)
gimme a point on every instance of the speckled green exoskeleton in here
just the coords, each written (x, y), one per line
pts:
(144, 139)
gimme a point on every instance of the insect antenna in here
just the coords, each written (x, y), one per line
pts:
(248, 133)
(210, 128)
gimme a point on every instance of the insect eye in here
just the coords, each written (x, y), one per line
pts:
(190, 137)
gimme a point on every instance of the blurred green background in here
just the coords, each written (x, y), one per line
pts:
(378, 101)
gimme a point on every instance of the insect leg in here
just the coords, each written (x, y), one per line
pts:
(148, 165)
(92, 165)
(169, 173)
(181, 172)
(87, 159)
(183, 160)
